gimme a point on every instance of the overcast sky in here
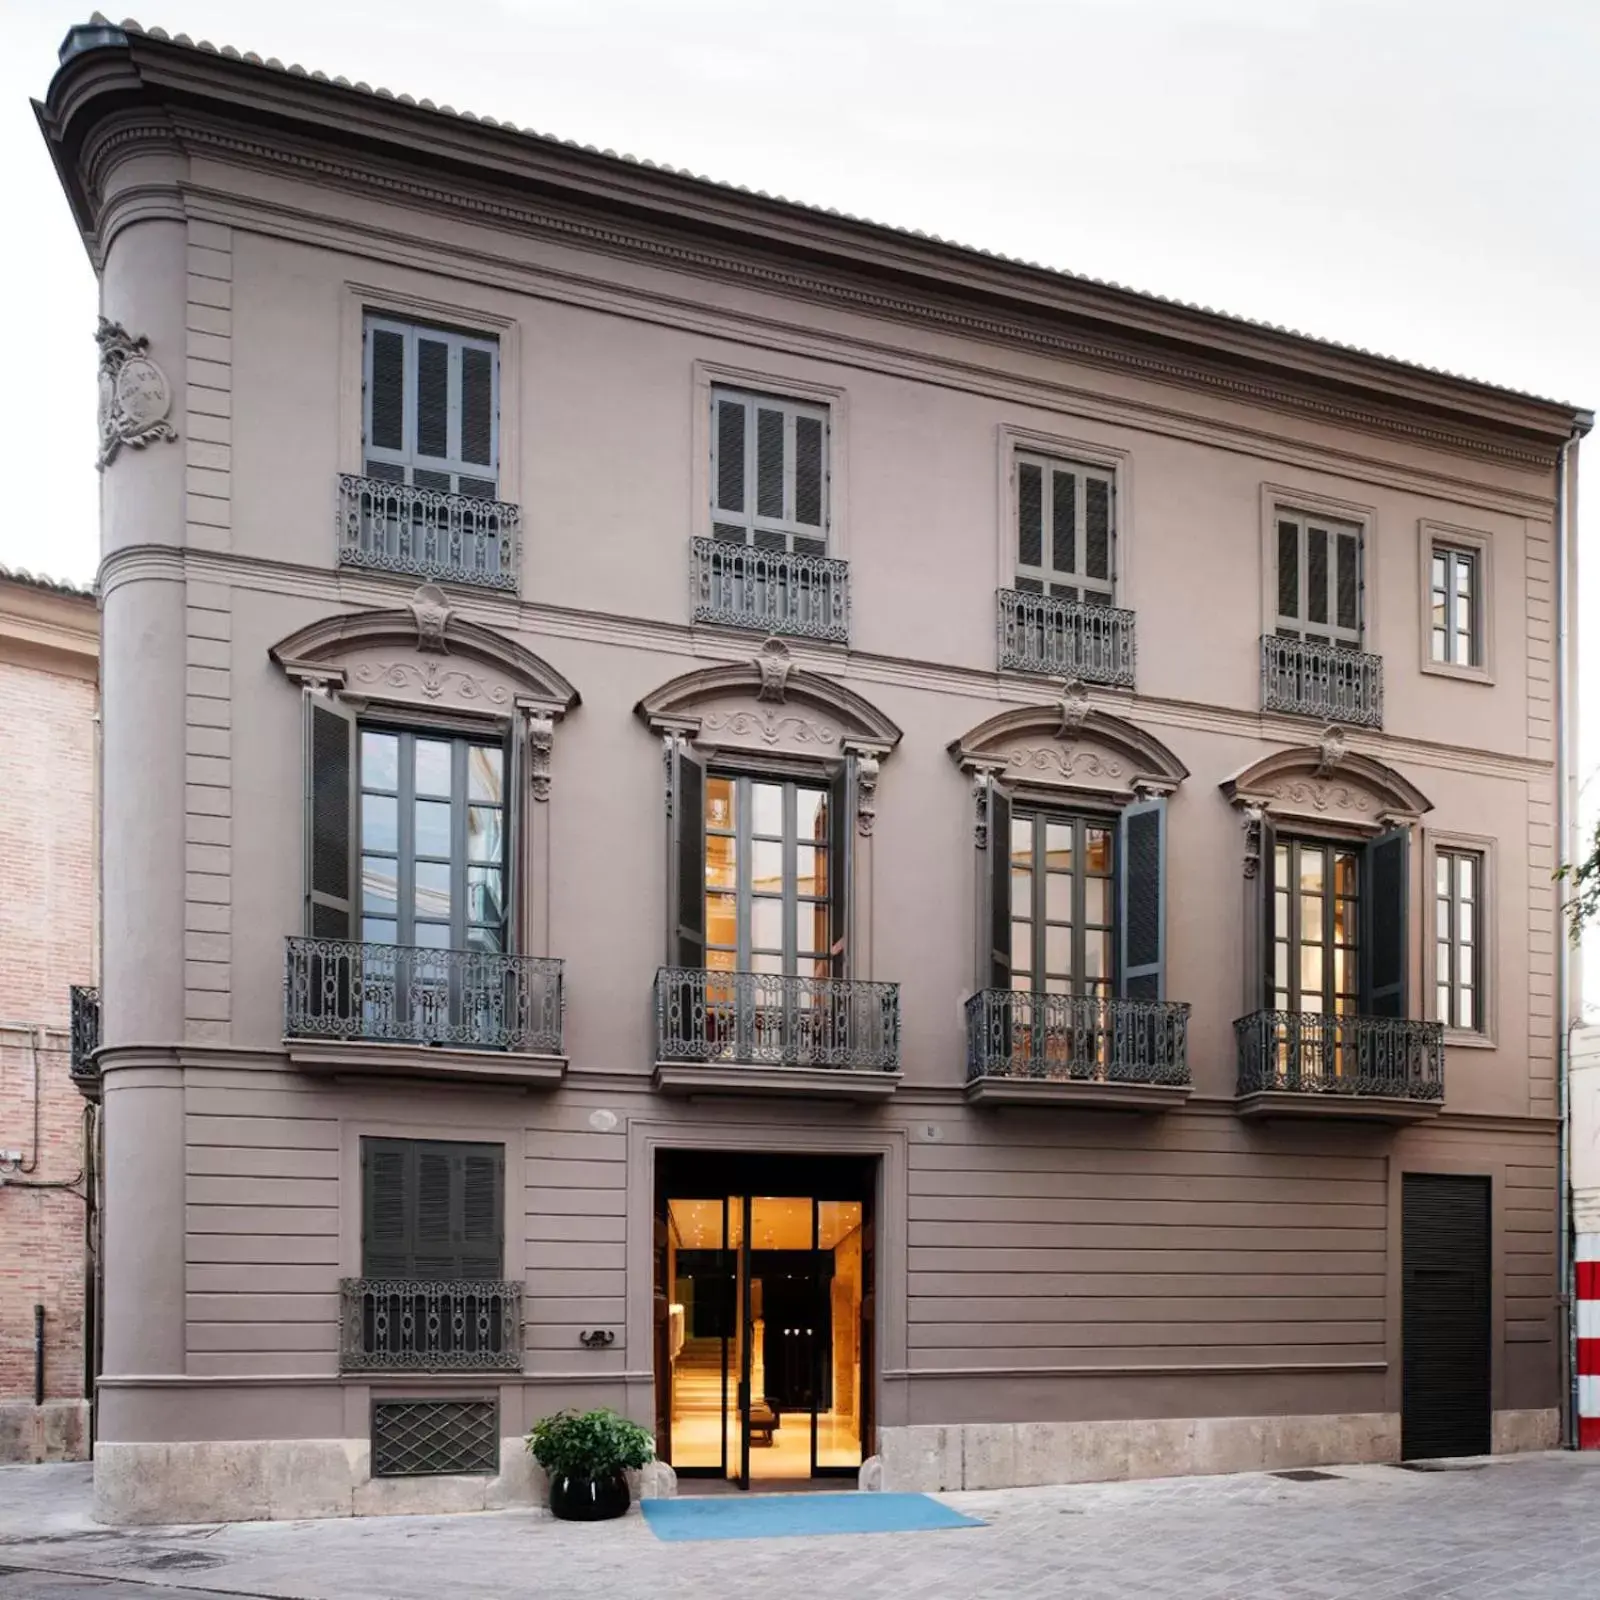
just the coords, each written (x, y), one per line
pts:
(1412, 176)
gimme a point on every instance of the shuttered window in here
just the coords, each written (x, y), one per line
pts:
(432, 1209)
(431, 407)
(1065, 530)
(769, 472)
(1319, 580)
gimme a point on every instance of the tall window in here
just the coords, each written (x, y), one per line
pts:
(432, 841)
(769, 877)
(430, 407)
(1316, 915)
(1458, 960)
(1063, 900)
(769, 472)
(1319, 580)
(1457, 635)
(1064, 530)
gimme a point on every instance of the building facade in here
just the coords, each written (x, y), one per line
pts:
(49, 651)
(904, 865)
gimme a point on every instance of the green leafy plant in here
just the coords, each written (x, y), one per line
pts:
(589, 1444)
(1583, 888)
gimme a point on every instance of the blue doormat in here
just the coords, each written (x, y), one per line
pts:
(788, 1516)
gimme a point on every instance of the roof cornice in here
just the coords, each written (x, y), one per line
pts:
(109, 72)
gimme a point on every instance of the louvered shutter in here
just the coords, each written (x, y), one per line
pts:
(433, 411)
(478, 419)
(1266, 933)
(1143, 900)
(330, 774)
(728, 467)
(481, 1251)
(434, 1211)
(841, 863)
(1385, 936)
(385, 398)
(995, 882)
(687, 947)
(386, 1243)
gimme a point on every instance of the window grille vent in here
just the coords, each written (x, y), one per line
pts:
(427, 1438)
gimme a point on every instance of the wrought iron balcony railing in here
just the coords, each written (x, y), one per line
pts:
(765, 1019)
(1308, 1052)
(85, 1014)
(1321, 680)
(429, 1325)
(774, 591)
(1077, 1038)
(451, 538)
(1065, 638)
(398, 994)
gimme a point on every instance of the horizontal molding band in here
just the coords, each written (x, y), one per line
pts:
(1251, 1369)
(364, 1380)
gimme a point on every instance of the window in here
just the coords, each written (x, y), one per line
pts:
(432, 839)
(1063, 872)
(430, 407)
(1316, 918)
(432, 1209)
(768, 877)
(1456, 634)
(1319, 580)
(1458, 939)
(1064, 530)
(769, 472)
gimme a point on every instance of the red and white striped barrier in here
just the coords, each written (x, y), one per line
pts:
(1588, 1354)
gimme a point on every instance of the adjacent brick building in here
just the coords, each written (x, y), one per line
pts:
(49, 699)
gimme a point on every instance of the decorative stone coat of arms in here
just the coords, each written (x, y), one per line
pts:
(135, 397)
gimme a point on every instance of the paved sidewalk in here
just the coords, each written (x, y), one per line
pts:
(1520, 1528)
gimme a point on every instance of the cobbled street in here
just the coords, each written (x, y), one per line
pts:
(1521, 1528)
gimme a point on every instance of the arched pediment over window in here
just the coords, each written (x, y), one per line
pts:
(1069, 745)
(424, 655)
(769, 704)
(1328, 783)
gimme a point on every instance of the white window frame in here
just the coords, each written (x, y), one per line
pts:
(748, 518)
(1302, 624)
(1294, 500)
(407, 456)
(1440, 537)
(1046, 573)
(1484, 1036)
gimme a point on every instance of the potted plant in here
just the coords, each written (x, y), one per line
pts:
(585, 1455)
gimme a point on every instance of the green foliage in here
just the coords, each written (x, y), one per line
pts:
(589, 1444)
(1583, 890)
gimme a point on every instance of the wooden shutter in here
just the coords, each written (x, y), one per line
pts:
(386, 395)
(1385, 941)
(330, 767)
(687, 866)
(1266, 928)
(994, 890)
(432, 1209)
(517, 914)
(1143, 900)
(841, 864)
(385, 1208)
(481, 1239)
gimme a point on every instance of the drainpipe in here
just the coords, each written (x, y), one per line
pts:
(1564, 855)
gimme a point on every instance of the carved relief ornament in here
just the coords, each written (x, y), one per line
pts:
(135, 397)
(1070, 745)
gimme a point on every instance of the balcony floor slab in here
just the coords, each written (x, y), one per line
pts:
(732, 1078)
(362, 1058)
(1339, 1107)
(1076, 1094)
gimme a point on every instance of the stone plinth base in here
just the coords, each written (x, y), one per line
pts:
(1514, 1431)
(56, 1431)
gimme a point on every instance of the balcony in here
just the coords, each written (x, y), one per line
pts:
(1078, 1050)
(1306, 1064)
(771, 591)
(388, 1009)
(84, 1001)
(761, 1033)
(1321, 680)
(1058, 638)
(449, 538)
(427, 1325)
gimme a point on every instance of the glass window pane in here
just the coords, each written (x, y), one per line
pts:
(432, 888)
(1021, 893)
(1347, 874)
(1280, 965)
(1021, 947)
(1464, 573)
(484, 774)
(811, 815)
(432, 936)
(823, 879)
(722, 919)
(1441, 919)
(377, 930)
(484, 939)
(1441, 642)
(770, 961)
(1058, 846)
(1467, 931)
(1310, 973)
(722, 859)
(1097, 956)
(815, 931)
(720, 960)
(1311, 870)
(1097, 901)
(1311, 918)
(1344, 970)
(379, 884)
(380, 822)
(433, 828)
(380, 760)
(1441, 874)
(1058, 949)
(484, 842)
(1441, 1002)
(1022, 841)
(766, 808)
(766, 924)
(432, 766)
(1467, 875)
(1097, 850)
(766, 866)
(806, 861)
(1464, 965)
(1345, 921)
(484, 901)
(1058, 897)
(719, 802)
(1467, 1013)
(1438, 572)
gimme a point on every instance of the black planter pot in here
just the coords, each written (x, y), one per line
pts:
(589, 1499)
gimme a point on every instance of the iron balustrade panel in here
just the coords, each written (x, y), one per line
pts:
(427, 1325)
(1321, 680)
(402, 994)
(1308, 1052)
(452, 538)
(775, 591)
(1077, 1038)
(766, 1019)
(85, 1013)
(1065, 638)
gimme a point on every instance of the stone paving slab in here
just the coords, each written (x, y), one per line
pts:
(1517, 1528)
